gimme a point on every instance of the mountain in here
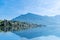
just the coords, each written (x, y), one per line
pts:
(27, 17)
(33, 18)
(30, 18)
(52, 25)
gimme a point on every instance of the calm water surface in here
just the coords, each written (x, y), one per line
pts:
(31, 33)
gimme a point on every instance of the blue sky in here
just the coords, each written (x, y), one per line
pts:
(13, 8)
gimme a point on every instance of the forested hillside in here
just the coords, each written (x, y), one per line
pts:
(8, 25)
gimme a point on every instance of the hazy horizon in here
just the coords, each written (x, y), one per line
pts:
(31, 13)
(12, 8)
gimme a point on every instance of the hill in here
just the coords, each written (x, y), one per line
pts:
(33, 18)
(8, 25)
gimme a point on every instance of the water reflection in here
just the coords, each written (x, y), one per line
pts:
(8, 36)
(42, 31)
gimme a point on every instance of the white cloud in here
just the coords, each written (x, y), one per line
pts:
(45, 7)
(54, 10)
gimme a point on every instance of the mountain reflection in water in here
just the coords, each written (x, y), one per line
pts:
(37, 32)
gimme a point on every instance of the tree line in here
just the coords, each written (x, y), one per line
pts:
(8, 25)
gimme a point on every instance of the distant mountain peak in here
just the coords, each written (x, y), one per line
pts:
(30, 14)
(29, 17)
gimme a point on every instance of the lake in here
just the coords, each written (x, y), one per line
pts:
(40, 31)
(31, 33)
(8, 36)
